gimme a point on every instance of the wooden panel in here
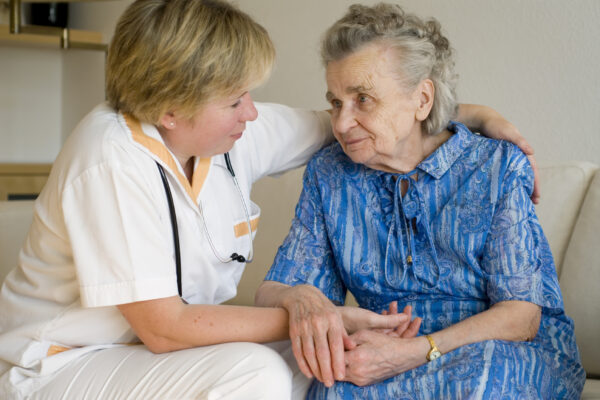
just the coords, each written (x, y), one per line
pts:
(22, 181)
(27, 39)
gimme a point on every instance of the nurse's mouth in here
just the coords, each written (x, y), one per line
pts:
(237, 136)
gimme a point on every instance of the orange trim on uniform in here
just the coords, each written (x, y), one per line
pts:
(160, 150)
(54, 349)
(200, 174)
(241, 229)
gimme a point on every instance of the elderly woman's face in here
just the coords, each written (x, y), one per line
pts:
(373, 117)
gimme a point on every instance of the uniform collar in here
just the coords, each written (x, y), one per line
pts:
(147, 136)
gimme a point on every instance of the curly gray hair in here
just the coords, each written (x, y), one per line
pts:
(423, 52)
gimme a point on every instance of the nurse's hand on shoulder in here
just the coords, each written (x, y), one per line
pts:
(492, 124)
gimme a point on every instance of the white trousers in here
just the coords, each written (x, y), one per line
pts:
(243, 371)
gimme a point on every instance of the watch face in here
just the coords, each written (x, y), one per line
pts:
(433, 355)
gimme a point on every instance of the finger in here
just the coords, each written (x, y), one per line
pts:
(535, 196)
(336, 348)
(299, 356)
(324, 360)
(379, 321)
(394, 307)
(349, 344)
(413, 329)
(402, 327)
(523, 144)
(308, 351)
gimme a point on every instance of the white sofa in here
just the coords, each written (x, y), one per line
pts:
(570, 215)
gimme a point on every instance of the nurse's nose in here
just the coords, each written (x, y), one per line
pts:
(249, 112)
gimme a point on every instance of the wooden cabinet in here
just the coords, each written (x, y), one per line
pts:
(22, 181)
(19, 34)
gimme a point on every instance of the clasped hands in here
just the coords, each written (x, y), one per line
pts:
(348, 343)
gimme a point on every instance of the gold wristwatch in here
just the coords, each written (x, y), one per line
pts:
(434, 352)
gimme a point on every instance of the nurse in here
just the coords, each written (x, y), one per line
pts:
(144, 226)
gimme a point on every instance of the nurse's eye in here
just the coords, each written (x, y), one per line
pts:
(236, 104)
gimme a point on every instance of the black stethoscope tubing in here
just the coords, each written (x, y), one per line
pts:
(173, 216)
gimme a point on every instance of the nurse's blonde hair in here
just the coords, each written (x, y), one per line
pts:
(171, 55)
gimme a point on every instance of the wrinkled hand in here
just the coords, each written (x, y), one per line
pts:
(378, 356)
(407, 329)
(318, 330)
(317, 333)
(497, 127)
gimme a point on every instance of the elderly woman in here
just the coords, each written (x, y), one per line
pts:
(144, 227)
(411, 207)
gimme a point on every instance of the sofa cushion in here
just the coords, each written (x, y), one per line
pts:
(591, 390)
(563, 189)
(15, 219)
(580, 279)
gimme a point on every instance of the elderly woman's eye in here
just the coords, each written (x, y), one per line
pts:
(362, 98)
(336, 104)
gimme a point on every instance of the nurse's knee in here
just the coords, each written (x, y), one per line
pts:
(274, 378)
(257, 372)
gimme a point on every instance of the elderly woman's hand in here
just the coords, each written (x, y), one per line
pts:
(317, 333)
(378, 356)
(318, 330)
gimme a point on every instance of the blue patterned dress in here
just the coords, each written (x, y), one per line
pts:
(470, 227)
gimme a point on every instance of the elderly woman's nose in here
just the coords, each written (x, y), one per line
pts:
(344, 120)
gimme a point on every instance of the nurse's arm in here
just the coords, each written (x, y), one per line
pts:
(492, 124)
(168, 324)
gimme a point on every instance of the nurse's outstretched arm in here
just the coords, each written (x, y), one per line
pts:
(168, 324)
(491, 123)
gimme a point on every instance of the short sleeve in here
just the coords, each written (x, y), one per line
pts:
(283, 138)
(306, 257)
(120, 249)
(517, 260)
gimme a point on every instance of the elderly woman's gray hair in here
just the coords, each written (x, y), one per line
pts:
(423, 52)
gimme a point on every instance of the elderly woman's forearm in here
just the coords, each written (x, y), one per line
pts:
(508, 320)
(270, 294)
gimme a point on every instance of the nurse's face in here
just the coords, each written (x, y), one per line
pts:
(213, 129)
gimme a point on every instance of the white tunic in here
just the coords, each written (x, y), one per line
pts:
(101, 234)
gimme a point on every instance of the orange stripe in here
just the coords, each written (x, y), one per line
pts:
(160, 150)
(200, 174)
(54, 349)
(241, 229)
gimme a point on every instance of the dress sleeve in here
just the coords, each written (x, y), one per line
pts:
(306, 256)
(122, 249)
(517, 260)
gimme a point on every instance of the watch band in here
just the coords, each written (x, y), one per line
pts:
(433, 352)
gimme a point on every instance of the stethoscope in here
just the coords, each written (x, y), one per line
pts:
(234, 256)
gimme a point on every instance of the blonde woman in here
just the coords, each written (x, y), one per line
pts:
(146, 224)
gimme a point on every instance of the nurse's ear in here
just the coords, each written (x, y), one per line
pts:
(167, 121)
(424, 94)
